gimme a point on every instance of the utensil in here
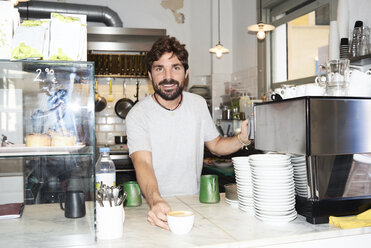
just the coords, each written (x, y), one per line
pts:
(100, 199)
(220, 129)
(110, 96)
(100, 102)
(115, 194)
(137, 94)
(121, 199)
(123, 106)
(228, 128)
(109, 195)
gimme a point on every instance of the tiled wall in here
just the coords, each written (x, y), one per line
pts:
(107, 123)
(222, 84)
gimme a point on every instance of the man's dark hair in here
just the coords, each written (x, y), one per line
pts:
(167, 44)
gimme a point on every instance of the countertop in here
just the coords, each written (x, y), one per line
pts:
(216, 225)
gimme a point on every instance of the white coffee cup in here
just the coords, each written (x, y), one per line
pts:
(180, 222)
(110, 221)
(314, 90)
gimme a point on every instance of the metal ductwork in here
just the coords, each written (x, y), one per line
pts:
(94, 13)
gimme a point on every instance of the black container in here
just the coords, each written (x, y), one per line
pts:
(120, 139)
(74, 204)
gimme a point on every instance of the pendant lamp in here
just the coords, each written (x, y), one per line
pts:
(219, 49)
(261, 28)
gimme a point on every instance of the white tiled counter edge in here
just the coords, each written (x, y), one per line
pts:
(216, 225)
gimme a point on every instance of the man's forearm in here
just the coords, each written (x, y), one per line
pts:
(227, 145)
(147, 181)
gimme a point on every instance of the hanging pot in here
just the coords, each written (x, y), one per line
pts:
(123, 106)
(100, 101)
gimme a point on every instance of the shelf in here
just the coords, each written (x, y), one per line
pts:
(122, 39)
(119, 65)
(22, 151)
(119, 76)
(361, 60)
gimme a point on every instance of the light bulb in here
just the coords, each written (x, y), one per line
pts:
(260, 34)
(219, 50)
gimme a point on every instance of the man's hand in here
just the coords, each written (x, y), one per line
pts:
(244, 131)
(157, 214)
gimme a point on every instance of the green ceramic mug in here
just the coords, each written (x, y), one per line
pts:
(209, 189)
(133, 198)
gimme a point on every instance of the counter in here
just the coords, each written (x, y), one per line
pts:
(216, 225)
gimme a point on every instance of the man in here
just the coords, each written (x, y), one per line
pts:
(167, 132)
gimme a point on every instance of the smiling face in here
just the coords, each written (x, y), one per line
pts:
(168, 76)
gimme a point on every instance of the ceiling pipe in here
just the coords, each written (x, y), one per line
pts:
(94, 13)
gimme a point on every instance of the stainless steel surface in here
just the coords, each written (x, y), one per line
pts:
(121, 156)
(338, 176)
(125, 170)
(122, 39)
(314, 126)
(94, 13)
(339, 126)
(281, 126)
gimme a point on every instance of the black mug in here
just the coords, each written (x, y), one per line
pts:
(74, 204)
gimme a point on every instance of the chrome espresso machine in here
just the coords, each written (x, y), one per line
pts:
(334, 134)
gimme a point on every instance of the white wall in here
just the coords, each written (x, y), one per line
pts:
(356, 13)
(200, 17)
(245, 45)
(200, 32)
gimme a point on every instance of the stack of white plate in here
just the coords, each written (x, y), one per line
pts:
(300, 174)
(244, 184)
(273, 187)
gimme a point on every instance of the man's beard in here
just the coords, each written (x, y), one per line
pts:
(168, 95)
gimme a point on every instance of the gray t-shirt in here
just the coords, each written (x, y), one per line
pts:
(176, 140)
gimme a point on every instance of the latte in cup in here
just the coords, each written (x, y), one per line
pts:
(180, 222)
(180, 213)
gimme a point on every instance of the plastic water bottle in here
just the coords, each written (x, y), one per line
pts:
(105, 171)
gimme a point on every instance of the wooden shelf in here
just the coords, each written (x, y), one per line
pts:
(120, 76)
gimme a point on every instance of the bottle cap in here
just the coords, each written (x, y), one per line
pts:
(358, 24)
(104, 149)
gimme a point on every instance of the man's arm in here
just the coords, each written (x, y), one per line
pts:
(226, 145)
(146, 178)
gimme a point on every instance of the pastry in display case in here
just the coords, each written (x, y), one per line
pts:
(47, 135)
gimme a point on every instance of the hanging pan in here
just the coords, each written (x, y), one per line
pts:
(123, 106)
(100, 101)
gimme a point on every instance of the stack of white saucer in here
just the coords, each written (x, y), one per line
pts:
(273, 187)
(244, 184)
(300, 174)
(231, 196)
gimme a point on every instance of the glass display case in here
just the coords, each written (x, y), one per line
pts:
(47, 136)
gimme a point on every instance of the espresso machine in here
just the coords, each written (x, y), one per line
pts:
(334, 135)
